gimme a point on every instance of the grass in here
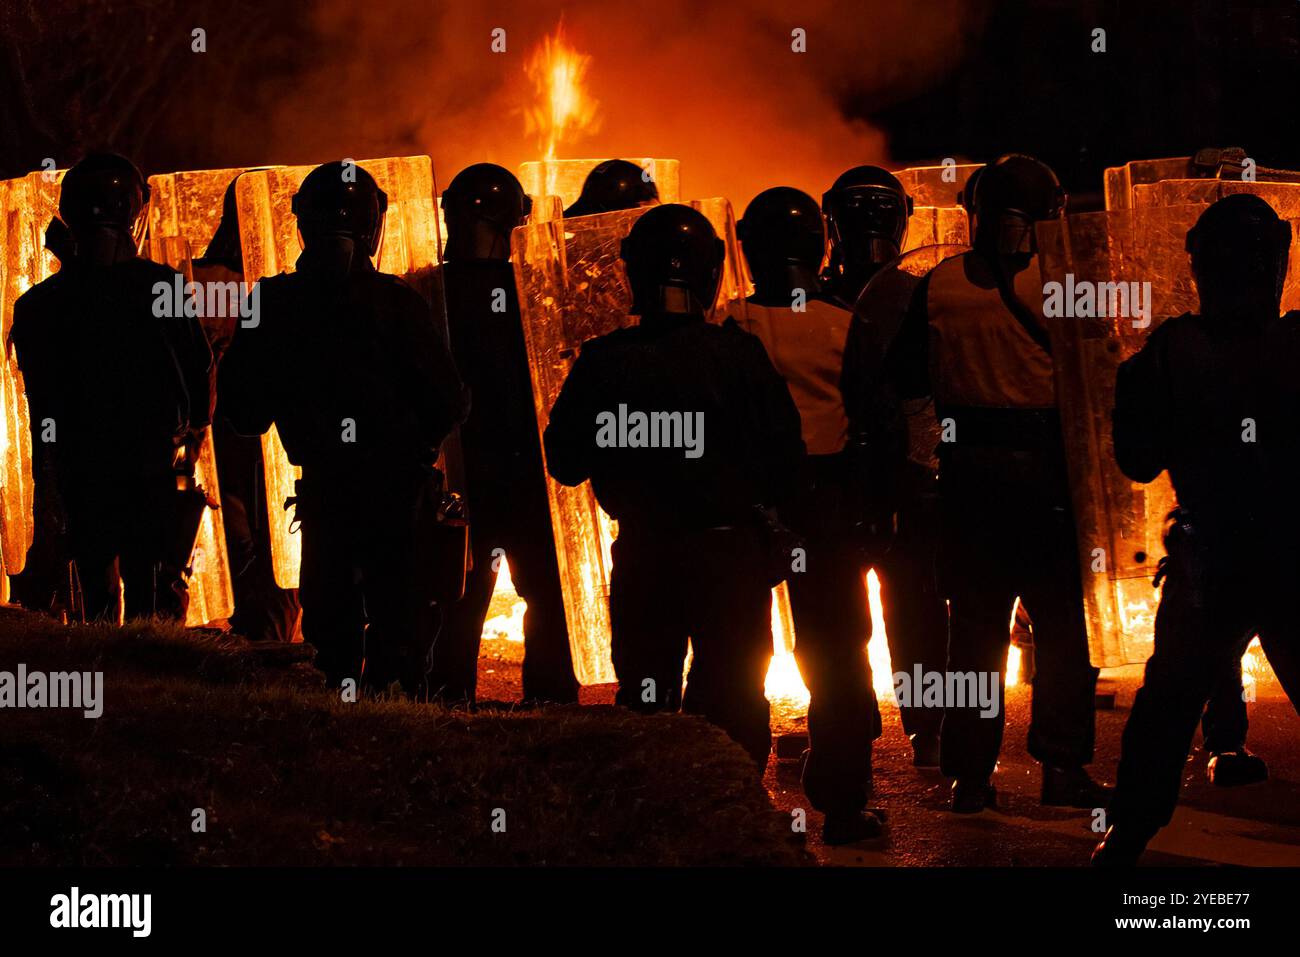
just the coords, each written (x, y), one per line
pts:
(287, 774)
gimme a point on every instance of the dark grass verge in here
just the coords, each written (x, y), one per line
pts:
(288, 774)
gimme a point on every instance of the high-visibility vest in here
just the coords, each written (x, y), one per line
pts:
(807, 349)
(980, 354)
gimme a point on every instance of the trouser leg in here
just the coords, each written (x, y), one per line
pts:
(916, 618)
(648, 631)
(333, 618)
(978, 639)
(453, 674)
(730, 622)
(832, 628)
(1194, 647)
(1062, 721)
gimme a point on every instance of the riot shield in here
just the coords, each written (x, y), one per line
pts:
(211, 593)
(269, 239)
(1119, 181)
(1120, 522)
(564, 177)
(27, 204)
(1200, 176)
(938, 217)
(573, 287)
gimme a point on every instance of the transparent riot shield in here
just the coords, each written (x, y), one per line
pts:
(940, 185)
(938, 218)
(573, 287)
(1120, 522)
(1119, 181)
(27, 204)
(1193, 178)
(1283, 197)
(268, 236)
(564, 177)
(211, 594)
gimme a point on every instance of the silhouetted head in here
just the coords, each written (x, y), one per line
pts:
(866, 219)
(1239, 249)
(104, 193)
(784, 239)
(341, 201)
(612, 185)
(674, 262)
(482, 205)
(1012, 194)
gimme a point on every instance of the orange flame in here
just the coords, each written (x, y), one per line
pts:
(563, 109)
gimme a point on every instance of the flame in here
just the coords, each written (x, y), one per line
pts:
(563, 109)
(508, 625)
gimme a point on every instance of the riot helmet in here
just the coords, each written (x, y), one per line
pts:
(1012, 194)
(784, 240)
(674, 261)
(866, 210)
(102, 199)
(482, 205)
(613, 185)
(1239, 250)
(340, 200)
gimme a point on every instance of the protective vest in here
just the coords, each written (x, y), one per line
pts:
(807, 349)
(980, 354)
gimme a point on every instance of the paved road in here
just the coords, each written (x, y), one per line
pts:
(1257, 825)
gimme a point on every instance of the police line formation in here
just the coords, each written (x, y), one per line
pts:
(799, 468)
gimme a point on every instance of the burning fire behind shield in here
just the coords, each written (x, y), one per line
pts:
(269, 238)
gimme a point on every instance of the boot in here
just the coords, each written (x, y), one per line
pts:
(1230, 769)
(972, 795)
(1071, 787)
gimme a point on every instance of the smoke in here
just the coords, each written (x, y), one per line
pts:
(715, 85)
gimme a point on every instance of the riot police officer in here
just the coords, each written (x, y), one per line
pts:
(867, 212)
(119, 381)
(1212, 398)
(684, 430)
(354, 371)
(506, 480)
(784, 241)
(613, 185)
(974, 339)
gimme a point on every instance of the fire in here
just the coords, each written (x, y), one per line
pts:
(509, 608)
(784, 686)
(563, 109)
